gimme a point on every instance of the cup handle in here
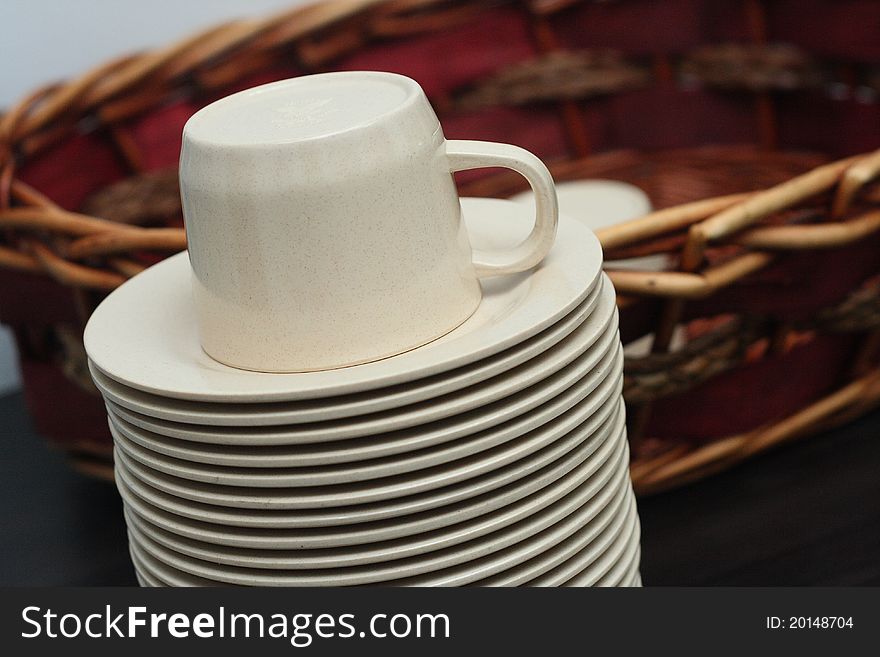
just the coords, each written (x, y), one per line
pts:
(466, 154)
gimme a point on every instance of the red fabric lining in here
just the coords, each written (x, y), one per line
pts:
(158, 134)
(72, 170)
(450, 59)
(844, 29)
(635, 27)
(62, 411)
(754, 393)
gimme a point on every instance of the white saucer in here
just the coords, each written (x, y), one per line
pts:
(498, 369)
(599, 204)
(615, 566)
(452, 566)
(596, 203)
(144, 573)
(144, 333)
(344, 494)
(602, 521)
(423, 512)
(417, 421)
(283, 447)
(621, 557)
(161, 573)
(632, 577)
(275, 413)
(582, 463)
(593, 562)
(530, 517)
(298, 475)
(589, 521)
(547, 563)
(148, 568)
(439, 486)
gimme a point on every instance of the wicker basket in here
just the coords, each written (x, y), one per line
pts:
(777, 291)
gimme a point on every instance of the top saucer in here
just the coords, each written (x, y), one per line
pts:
(144, 334)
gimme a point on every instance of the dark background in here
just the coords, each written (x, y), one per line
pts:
(807, 513)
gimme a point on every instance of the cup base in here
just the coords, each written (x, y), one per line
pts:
(352, 363)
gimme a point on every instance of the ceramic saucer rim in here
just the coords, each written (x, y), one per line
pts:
(493, 483)
(586, 458)
(465, 488)
(387, 572)
(585, 486)
(399, 485)
(352, 471)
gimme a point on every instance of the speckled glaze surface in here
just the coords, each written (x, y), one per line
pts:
(422, 446)
(324, 226)
(144, 333)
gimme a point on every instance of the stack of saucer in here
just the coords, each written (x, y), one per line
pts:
(495, 455)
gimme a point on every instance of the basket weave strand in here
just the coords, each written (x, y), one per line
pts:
(727, 216)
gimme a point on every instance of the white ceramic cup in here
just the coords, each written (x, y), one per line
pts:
(324, 226)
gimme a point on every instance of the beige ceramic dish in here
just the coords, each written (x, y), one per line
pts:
(387, 520)
(625, 556)
(481, 487)
(441, 420)
(631, 577)
(349, 472)
(628, 562)
(597, 562)
(551, 566)
(160, 573)
(324, 224)
(343, 494)
(283, 456)
(307, 513)
(548, 562)
(539, 513)
(571, 471)
(474, 561)
(143, 572)
(595, 553)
